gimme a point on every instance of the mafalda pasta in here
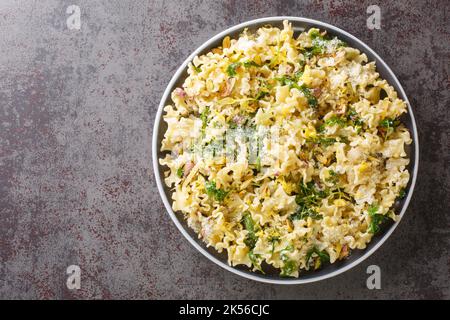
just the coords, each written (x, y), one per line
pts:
(285, 150)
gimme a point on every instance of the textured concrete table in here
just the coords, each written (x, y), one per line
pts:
(76, 116)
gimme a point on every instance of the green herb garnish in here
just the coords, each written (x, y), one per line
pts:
(323, 255)
(289, 265)
(333, 178)
(339, 194)
(288, 268)
(354, 120)
(204, 117)
(251, 63)
(249, 225)
(197, 69)
(272, 240)
(289, 248)
(286, 81)
(312, 100)
(319, 44)
(180, 172)
(261, 94)
(351, 114)
(213, 192)
(308, 199)
(299, 73)
(335, 120)
(254, 258)
(292, 83)
(387, 126)
(376, 219)
(304, 212)
(388, 123)
(231, 69)
(309, 192)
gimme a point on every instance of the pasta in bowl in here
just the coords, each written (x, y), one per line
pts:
(285, 150)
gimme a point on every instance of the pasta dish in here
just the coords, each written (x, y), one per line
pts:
(285, 150)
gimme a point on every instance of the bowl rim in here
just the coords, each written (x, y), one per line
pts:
(156, 166)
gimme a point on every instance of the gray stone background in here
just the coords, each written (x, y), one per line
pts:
(76, 117)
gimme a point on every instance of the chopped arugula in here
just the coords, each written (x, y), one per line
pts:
(376, 219)
(231, 69)
(249, 225)
(289, 265)
(312, 100)
(272, 239)
(387, 126)
(197, 69)
(288, 268)
(351, 114)
(373, 209)
(292, 83)
(354, 120)
(213, 192)
(180, 172)
(313, 34)
(323, 255)
(308, 199)
(204, 117)
(251, 63)
(310, 192)
(333, 178)
(301, 64)
(358, 125)
(319, 44)
(298, 74)
(321, 128)
(312, 51)
(286, 81)
(336, 120)
(303, 212)
(388, 123)
(261, 94)
(339, 194)
(289, 248)
(351, 119)
(254, 258)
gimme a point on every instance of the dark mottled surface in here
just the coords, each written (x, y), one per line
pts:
(76, 116)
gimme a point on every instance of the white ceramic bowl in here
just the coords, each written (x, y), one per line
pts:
(330, 270)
